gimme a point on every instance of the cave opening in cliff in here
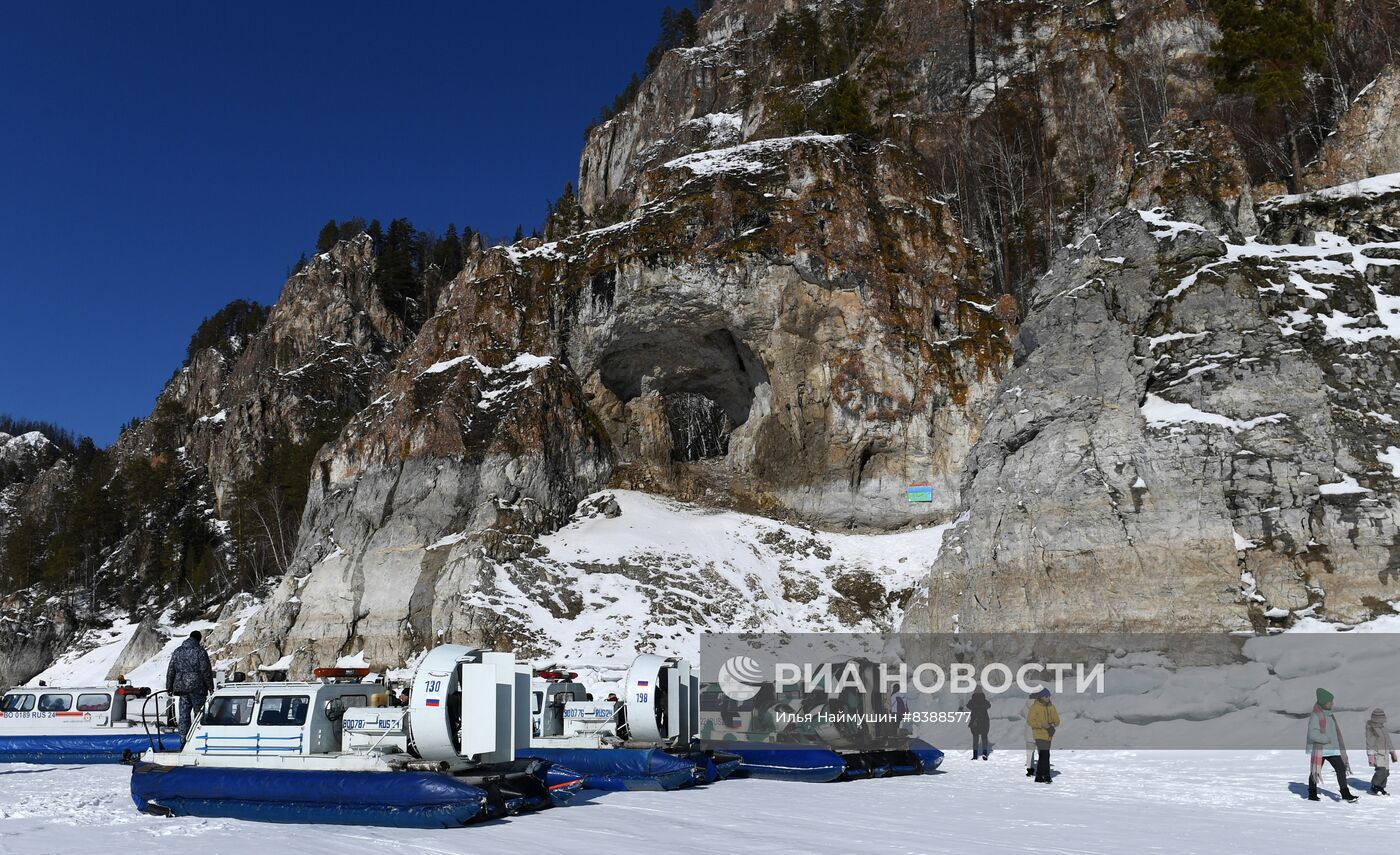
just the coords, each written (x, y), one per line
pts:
(706, 382)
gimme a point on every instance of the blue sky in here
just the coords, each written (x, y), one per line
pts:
(159, 160)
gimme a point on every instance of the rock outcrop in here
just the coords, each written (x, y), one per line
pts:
(23, 456)
(1057, 95)
(30, 466)
(1195, 433)
(815, 294)
(1366, 141)
(297, 380)
(144, 643)
(32, 633)
(33, 474)
(229, 417)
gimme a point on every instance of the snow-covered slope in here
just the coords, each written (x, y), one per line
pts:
(89, 661)
(653, 574)
(142, 653)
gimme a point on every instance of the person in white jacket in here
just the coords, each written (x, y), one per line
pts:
(1325, 745)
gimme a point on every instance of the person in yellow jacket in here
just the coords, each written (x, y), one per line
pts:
(1042, 719)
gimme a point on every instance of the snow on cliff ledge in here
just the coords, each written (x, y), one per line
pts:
(746, 157)
(1370, 188)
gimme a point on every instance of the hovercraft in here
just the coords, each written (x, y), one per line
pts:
(82, 724)
(788, 736)
(324, 752)
(645, 741)
(818, 765)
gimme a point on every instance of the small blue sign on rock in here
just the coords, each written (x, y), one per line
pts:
(920, 492)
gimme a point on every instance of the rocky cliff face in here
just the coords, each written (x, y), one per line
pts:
(791, 326)
(298, 379)
(27, 475)
(33, 474)
(1026, 114)
(1224, 461)
(815, 295)
(225, 417)
(1366, 141)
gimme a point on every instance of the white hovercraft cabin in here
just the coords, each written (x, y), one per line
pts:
(257, 720)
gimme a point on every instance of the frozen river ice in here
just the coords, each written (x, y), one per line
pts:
(1101, 802)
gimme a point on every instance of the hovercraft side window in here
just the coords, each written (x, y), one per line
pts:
(95, 702)
(55, 703)
(229, 710)
(283, 711)
(17, 703)
(352, 701)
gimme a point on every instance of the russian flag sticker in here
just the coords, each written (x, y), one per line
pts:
(432, 702)
(643, 683)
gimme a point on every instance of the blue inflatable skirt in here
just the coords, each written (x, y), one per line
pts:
(85, 748)
(821, 765)
(396, 799)
(630, 768)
